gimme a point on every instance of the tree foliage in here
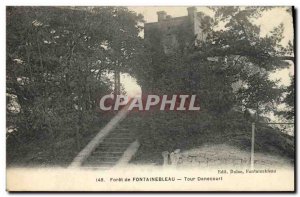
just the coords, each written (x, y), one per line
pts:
(231, 68)
(57, 64)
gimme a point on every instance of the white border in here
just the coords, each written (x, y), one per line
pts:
(151, 3)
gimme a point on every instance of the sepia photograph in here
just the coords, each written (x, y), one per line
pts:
(150, 98)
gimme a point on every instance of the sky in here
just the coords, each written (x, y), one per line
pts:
(267, 22)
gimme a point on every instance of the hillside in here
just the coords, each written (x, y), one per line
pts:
(168, 132)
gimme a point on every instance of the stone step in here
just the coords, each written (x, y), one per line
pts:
(106, 148)
(115, 143)
(121, 131)
(110, 149)
(100, 163)
(118, 140)
(120, 136)
(103, 159)
(111, 146)
(110, 153)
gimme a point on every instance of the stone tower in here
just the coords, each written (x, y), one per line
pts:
(169, 29)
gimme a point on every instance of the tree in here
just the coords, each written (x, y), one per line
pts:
(289, 101)
(234, 54)
(254, 56)
(57, 64)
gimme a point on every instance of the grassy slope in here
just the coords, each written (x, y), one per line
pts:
(167, 132)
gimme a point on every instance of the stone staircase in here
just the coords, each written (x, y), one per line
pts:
(111, 149)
